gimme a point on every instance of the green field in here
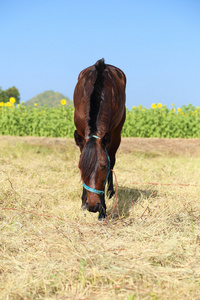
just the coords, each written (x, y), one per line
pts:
(51, 249)
(157, 121)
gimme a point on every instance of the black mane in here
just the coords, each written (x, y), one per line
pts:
(89, 159)
(95, 99)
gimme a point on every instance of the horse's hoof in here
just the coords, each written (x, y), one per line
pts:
(101, 219)
(102, 215)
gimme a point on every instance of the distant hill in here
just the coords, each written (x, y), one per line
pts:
(50, 98)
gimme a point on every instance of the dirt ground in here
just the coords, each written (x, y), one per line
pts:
(158, 146)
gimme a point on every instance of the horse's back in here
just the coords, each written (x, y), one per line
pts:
(112, 94)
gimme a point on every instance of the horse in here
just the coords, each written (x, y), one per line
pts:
(99, 115)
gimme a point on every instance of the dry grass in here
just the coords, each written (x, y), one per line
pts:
(150, 251)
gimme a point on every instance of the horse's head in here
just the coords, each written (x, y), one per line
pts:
(94, 166)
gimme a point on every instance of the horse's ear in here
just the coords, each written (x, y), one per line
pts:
(80, 141)
(105, 140)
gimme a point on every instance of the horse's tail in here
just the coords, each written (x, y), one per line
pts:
(100, 66)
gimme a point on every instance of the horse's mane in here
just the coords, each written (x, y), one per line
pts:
(89, 159)
(95, 98)
(89, 156)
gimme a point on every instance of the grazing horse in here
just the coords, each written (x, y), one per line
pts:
(99, 101)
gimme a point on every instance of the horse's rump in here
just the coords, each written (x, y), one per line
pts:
(99, 99)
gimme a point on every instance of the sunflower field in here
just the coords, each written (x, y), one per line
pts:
(157, 121)
(36, 121)
(162, 122)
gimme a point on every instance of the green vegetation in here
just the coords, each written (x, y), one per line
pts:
(48, 98)
(37, 121)
(162, 122)
(158, 121)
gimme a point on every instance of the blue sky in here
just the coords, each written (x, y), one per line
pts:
(44, 44)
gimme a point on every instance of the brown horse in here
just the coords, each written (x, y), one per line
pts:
(99, 101)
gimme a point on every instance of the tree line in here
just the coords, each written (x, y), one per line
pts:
(7, 94)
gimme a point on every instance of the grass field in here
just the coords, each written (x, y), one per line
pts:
(51, 249)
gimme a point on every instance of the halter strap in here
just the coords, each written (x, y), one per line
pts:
(92, 190)
(93, 135)
(89, 188)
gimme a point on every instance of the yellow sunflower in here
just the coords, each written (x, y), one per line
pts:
(63, 102)
(12, 100)
(153, 106)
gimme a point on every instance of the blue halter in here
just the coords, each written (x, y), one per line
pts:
(89, 188)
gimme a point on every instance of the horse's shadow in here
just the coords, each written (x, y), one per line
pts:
(127, 198)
